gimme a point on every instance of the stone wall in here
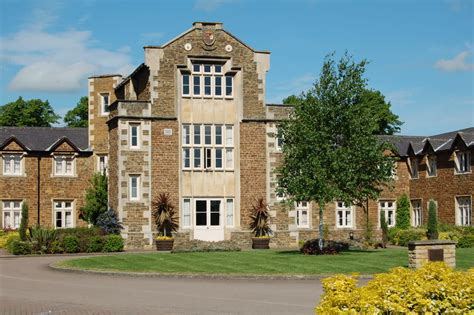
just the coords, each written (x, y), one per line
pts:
(419, 252)
(252, 168)
(442, 188)
(51, 187)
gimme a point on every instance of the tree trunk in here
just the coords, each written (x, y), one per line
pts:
(321, 227)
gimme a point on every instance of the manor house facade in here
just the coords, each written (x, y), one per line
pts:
(192, 122)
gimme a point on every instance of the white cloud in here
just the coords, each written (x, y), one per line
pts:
(209, 5)
(458, 63)
(399, 98)
(58, 61)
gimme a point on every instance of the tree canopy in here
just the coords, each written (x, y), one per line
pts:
(96, 200)
(28, 113)
(78, 116)
(329, 148)
(374, 101)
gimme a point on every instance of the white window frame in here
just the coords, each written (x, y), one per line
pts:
(8, 206)
(341, 207)
(300, 208)
(134, 178)
(186, 214)
(201, 74)
(463, 210)
(229, 212)
(416, 212)
(63, 210)
(207, 149)
(431, 166)
(103, 110)
(131, 126)
(11, 163)
(103, 163)
(463, 162)
(63, 159)
(387, 209)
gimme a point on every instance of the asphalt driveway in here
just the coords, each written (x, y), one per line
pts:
(29, 286)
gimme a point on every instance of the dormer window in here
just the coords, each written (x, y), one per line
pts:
(207, 80)
(64, 165)
(431, 168)
(12, 165)
(463, 162)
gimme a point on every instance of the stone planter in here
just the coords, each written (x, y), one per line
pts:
(421, 252)
(164, 245)
(260, 243)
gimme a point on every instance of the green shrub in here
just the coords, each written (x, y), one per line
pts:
(24, 221)
(113, 243)
(402, 237)
(96, 244)
(466, 241)
(384, 227)
(19, 247)
(432, 232)
(433, 289)
(71, 244)
(42, 238)
(202, 246)
(5, 236)
(403, 212)
(83, 234)
(56, 247)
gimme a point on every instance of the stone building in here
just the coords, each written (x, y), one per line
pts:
(192, 122)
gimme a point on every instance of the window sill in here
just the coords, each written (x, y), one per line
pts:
(206, 170)
(14, 175)
(345, 227)
(463, 173)
(64, 176)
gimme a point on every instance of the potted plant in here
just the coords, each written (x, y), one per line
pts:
(259, 225)
(166, 222)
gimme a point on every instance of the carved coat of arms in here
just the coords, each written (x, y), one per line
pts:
(208, 37)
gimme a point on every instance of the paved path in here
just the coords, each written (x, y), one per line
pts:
(29, 286)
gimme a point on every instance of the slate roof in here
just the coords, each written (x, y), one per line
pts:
(439, 142)
(42, 138)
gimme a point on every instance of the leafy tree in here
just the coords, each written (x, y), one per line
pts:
(24, 221)
(78, 117)
(403, 213)
(384, 227)
(28, 113)
(330, 150)
(374, 101)
(388, 122)
(432, 230)
(96, 201)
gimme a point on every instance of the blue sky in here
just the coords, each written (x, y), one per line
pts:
(421, 53)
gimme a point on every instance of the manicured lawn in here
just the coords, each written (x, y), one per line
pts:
(267, 262)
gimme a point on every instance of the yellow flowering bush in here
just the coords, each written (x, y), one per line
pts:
(435, 288)
(164, 238)
(5, 236)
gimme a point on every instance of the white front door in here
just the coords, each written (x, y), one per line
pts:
(208, 221)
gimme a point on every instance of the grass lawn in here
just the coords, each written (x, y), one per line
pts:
(265, 262)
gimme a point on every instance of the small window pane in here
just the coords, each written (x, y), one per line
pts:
(208, 152)
(207, 85)
(218, 69)
(218, 86)
(207, 68)
(196, 68)
(218, 138)
(229, 136)
(185, 84)
(228, 85)
(207, 135)
(197, 134)
(186, 212)
(230, 212)
(186, 135)
(215, 212)
(197, 158)
(218, 158)
(229, 159)
(186, 158)
(197, 85)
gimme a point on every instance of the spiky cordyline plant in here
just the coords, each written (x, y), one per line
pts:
(260, 216)
(164, 215)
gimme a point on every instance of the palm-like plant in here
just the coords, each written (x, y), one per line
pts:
(260, 217)
(164, 215)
